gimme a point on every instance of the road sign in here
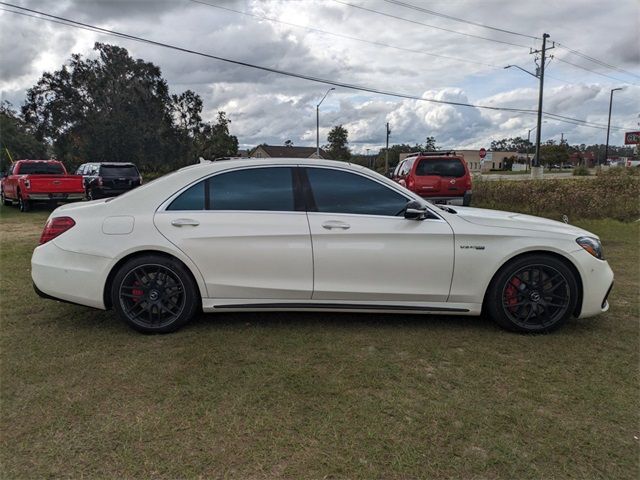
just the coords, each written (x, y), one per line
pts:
(483, 153)
(631, 138)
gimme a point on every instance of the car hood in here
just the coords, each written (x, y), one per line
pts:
(498, 218)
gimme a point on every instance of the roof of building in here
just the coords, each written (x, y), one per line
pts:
(278, 151)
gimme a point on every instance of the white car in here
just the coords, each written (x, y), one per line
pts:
(312, 235)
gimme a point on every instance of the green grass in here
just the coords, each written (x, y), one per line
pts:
(314, 395)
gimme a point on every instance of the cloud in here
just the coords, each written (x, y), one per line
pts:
(266, 107)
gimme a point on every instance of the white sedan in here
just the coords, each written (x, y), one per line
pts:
(312, 235)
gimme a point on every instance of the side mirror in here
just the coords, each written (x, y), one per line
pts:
(415, 211)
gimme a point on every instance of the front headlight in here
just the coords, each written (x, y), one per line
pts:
(591, 245)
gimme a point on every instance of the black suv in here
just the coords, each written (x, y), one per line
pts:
(109, 179)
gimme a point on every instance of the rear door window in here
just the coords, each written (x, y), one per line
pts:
(442, 167)
(118, 171)
(260, 189)
(40, 168)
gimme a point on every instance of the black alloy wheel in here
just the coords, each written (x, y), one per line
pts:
(533, 294)
(154, 294)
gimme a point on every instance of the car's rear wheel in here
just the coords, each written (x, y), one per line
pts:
(535, 293)
(154, 294)
(23, 204)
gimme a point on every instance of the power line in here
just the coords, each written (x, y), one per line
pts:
(510, 32)
(93, 28)
(451, 17)
(360, 7)
(348, 37)
(595, 60)
(263, 68)
(593, 71)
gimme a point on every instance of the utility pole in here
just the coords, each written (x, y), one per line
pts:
(606, 148)
(536, 171)
(561, 138)
(318, 122)
(386, 151)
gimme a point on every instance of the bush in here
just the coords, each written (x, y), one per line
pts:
(581, 171)
(613, 194)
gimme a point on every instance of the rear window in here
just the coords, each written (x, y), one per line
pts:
(442, 167)
(118, 171)
(40, 168)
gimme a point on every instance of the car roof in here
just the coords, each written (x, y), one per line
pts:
(213, 166)
(115, 164)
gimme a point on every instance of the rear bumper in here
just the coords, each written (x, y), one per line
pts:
(460, 201)
(38, 197)
(109, 192)
(69, 276)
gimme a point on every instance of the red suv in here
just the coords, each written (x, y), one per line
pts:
(440, 177)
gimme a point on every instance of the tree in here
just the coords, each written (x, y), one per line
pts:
(429, 145)
(17, 139)
(338, 147)
(215, 141)
(553, 154)
(515, 144)
(112, 108)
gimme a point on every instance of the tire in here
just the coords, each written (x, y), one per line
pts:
(23, 205)
(154, 294)
(6, 202)
(91, 195)
(533, 294)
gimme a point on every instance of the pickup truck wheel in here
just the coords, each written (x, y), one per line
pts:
(23, 204)
(4, 200)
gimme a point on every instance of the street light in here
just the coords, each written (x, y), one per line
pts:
(606, 148)
(525, 71)
(318, 122)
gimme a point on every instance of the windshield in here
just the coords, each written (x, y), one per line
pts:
(443, 167)
(40, 168)
(118, 171)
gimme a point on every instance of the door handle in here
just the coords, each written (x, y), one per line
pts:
(182, 222)
(331, 224)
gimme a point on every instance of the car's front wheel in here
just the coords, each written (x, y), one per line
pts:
(534, 293)
(4, 199)
(154, 294)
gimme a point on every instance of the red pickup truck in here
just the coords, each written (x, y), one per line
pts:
(31, 181)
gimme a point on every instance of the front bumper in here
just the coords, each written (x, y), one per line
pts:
(69, 276)
(597, 282)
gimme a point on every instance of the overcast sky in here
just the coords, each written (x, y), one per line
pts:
(418, 60)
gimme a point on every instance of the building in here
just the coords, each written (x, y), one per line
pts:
(273, 151)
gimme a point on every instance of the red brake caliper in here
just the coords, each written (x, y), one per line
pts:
(137, 293)
(511, 292)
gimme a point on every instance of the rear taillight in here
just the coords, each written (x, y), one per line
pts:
(27, 184)
(411, 183)
(54, 227)
(140, 179)
(99, 180)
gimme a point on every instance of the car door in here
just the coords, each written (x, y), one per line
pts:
(363, 247)
(247, 232)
